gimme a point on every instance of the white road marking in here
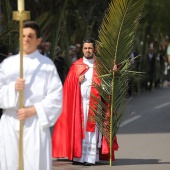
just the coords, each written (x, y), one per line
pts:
(137, 117)
(129, 120)
(162, 105)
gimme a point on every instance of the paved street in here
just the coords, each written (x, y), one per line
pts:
(144, 136)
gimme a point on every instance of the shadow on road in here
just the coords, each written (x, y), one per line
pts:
(120, 162)
(117, 162)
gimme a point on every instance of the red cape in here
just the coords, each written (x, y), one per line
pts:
(67, 135)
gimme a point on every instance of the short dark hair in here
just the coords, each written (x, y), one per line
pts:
(34, 26)
(90, 40)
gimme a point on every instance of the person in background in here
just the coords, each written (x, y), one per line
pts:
(150, 66)
(42, 103)
(59, 62)
(78, 50)
(168, 59)
(47, 47)
(76, 135)
(72, 53)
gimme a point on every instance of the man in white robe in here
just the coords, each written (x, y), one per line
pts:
(42, 91)
(90, 151)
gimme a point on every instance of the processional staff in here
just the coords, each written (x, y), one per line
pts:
(21, 15)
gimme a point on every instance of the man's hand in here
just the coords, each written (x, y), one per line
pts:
(25, 113)
(81, 78)
(19, 84)
(115, 68)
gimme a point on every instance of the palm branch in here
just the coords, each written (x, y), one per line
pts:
(9, 33)
(114, 45)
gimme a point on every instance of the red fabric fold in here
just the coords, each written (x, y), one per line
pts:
(68, 132)
(105, 150)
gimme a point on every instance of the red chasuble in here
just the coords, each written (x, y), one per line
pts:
(68, 130)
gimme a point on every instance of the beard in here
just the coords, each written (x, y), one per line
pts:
(90, 56)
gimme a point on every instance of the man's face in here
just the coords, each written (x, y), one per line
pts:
(30, 40)
(47, 46)
(88, 50)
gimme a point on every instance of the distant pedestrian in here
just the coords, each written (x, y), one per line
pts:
(150, 66)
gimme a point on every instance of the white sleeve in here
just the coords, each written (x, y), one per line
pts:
(8, 95)
(49, 109)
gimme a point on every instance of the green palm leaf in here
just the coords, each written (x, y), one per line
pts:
(9, 33)
(115, 43)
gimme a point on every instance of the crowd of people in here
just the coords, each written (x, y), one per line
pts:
(157, 66)
(154, 66)
(74, 53)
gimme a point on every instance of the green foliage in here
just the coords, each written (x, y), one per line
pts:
(115, 43)
(156, 15)
(68, 23)
(9, 33)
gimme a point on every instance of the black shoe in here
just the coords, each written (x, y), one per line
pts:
(87, 164)
(77, 163)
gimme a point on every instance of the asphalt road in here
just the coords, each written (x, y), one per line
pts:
(144, 136)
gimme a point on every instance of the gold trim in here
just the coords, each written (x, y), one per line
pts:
(21, 15)
(91, 118)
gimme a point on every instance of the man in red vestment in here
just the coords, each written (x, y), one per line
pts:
(75, 134)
